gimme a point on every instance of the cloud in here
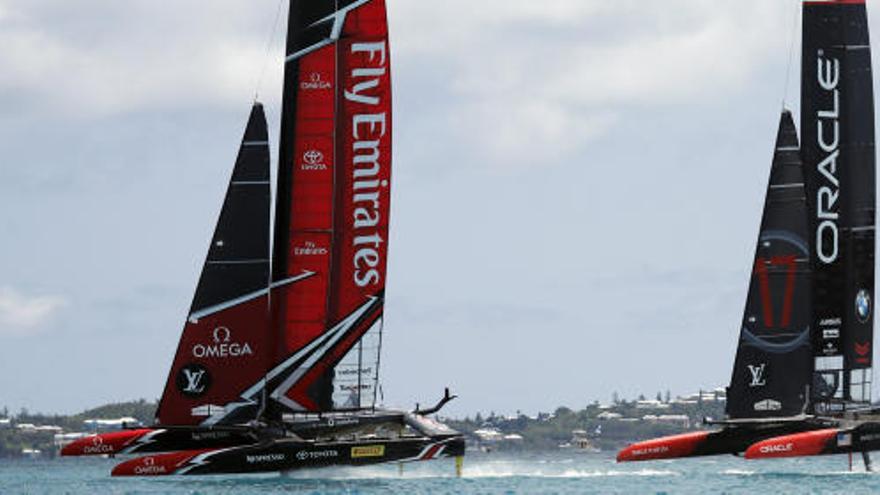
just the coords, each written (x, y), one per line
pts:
(20, 314)
(96, 59)
(516, 82)
(532, 83)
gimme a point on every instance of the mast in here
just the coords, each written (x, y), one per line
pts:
(332, 207)
(773, 360)
(837, 121)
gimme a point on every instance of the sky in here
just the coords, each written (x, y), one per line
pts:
(577, 190)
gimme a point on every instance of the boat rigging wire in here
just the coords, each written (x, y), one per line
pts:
(791, 50)
(268, 55)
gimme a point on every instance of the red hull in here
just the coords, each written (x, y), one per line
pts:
(105, 443)
(798, 445)
(671, 447)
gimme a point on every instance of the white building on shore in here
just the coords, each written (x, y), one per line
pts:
(98, 425)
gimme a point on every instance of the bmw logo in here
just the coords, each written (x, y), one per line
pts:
(863, 306)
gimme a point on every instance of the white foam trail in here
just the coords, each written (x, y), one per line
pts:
(475, 472)
(738, 472)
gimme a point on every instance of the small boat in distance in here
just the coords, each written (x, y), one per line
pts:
(581, 441)
(801, 382)
(278, 365)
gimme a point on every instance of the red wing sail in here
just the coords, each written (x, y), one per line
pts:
(226, 345)
(332, 206)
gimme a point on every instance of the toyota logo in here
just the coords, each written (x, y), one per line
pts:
(97, 441)
(315, 77)
(222, 334)
(313, 157)
(149, 462)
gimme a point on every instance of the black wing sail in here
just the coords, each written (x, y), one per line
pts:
(772, 370)
(837, 112)
(238, 261)
(226, 345)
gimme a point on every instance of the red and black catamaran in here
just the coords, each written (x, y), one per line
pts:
(801, 382)
(277, 368)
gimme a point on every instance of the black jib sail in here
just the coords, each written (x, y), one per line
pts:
(837, 122)
(226, 345)
(773, 360)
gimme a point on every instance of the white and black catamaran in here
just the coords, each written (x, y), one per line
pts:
(277, 368)
(801, 382)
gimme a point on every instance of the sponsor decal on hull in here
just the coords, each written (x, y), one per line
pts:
(683, 445)
(799, 444)
(98, 447)
(149, 468)
(265, 458)
(662, 449)
(368, 451)
(305, 455)
(777, 448)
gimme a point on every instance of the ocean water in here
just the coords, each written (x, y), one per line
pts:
(554, 473)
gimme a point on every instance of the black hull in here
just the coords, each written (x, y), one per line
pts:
(292, 455)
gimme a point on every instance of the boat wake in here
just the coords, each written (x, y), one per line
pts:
(476, 471)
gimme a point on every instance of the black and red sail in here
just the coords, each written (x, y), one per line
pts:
(310, 341)
(771, 373)
(332, 208)
(226, 345)
(837, 122)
